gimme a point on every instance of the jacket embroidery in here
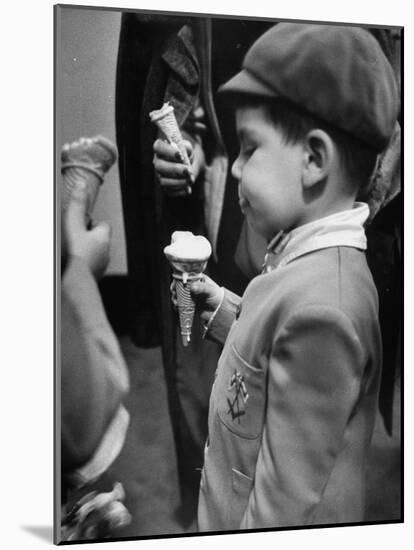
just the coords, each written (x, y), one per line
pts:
(240, 396)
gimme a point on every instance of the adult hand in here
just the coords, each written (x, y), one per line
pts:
(173, 174)
(92, 245)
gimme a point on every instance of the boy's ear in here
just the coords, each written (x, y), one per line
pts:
(319, 157)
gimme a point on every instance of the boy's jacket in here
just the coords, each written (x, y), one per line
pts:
(294, 400)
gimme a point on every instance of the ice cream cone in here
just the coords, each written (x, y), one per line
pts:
(185, 273)
(165, 119)
(188, 255)
(186, 309)
(87, 160)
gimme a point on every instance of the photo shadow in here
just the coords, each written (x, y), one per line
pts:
(42, 532)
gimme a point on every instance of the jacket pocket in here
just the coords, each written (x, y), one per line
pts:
(241, 396)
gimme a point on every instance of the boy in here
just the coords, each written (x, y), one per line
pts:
(293, 404)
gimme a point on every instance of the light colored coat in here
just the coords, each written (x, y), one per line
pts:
(293, 404)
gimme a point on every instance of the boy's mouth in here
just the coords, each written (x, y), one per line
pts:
(243, 204)
(242, 201)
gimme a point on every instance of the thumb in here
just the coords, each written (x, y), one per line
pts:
(207, 292)
(77, 207)
(102, 231)
(200, 289)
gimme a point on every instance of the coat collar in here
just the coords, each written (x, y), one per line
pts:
(344, 228)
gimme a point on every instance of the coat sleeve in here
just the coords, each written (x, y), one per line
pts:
(222, 319)
(94, 379)
(313, 384)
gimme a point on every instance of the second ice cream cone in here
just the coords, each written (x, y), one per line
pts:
(88, 160)
(165, 119)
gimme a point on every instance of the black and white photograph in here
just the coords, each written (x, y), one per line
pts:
(229, 274)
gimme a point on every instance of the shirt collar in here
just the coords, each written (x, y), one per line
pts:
(344, 228)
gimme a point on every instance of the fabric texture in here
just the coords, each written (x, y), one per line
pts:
(295, 395)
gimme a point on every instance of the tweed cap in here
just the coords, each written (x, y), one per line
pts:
(337, 73)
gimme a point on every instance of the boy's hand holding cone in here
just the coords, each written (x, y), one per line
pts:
(206, 293)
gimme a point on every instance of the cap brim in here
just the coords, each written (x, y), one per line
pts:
(246, 83)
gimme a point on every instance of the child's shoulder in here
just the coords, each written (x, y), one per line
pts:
(338, 277)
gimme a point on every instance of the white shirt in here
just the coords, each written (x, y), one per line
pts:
(344, 228)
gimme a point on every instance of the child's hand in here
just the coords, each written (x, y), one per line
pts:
(174, 175)
(207, 295)
(92, 245)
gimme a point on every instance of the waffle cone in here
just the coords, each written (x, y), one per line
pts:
(167, 123)
(186, 309)
(185, 273)
(88, 164)
(69, 179)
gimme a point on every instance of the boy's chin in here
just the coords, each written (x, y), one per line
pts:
(257, 229)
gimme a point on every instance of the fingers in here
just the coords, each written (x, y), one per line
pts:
(174, 176)
(166, 151)
(85, 141)
(170, 152)
(199, 289)
(189, 149)
(102, 232)
(75, 215)
(203, 289)
(176, 170)
(173, 184)
(205, 280)
(182, 192)
(205, 316)
(176, 187)
(173, 292)
(69, 149)
(207, 292)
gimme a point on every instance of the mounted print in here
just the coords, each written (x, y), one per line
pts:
(229, 288)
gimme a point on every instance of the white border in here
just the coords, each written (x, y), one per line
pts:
(27, 282)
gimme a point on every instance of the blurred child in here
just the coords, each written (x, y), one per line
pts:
(93, 378)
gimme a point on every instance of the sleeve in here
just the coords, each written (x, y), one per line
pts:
(313, 384)
(194, 127)
(220, 323)
(94, 380)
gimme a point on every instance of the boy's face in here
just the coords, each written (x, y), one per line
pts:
(268, 172)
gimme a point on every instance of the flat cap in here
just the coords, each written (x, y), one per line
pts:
(338, 73)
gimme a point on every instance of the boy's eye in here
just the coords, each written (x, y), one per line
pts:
(247, 150)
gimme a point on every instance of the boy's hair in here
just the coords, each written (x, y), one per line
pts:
(357, 158)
